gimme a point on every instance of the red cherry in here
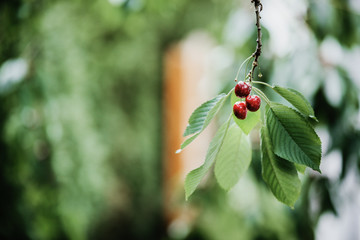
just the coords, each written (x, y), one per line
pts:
(253, 103)
(240, 110)
(242, 89)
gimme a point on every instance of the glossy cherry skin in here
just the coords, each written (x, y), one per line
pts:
(240, 110)
(253, 103)
(242, 89)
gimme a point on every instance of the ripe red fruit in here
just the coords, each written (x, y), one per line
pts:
(242, 89)
(240, 110)
(253, 103)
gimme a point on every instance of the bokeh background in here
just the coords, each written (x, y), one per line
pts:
(94, 96)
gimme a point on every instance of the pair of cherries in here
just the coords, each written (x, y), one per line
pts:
(252, 102)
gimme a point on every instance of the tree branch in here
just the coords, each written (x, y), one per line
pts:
(257, 53)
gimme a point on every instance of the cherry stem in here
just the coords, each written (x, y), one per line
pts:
(263, 83)
(258, 91)
(246, 68)
(242, 64)
(230, 92)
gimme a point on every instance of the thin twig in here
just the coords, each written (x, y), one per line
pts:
(257, 53)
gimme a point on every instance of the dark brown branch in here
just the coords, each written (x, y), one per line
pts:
(257, 53)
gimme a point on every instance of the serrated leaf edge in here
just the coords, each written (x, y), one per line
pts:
(308, 124)
(188, 194)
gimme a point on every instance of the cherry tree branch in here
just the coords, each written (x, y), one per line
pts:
(257, 53)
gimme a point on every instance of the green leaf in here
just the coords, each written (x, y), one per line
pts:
(300, 168)
(251, 119)
(297, 100)
(193, 179)
(233, 158)
(279, 174)
(201, 117)
(198, 117)
(293, 138)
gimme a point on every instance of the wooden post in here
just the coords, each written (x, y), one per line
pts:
(187, 84)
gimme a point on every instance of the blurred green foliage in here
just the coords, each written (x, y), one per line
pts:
(81, 135)
(80, 145)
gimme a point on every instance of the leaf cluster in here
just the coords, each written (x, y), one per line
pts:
(289, 144)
